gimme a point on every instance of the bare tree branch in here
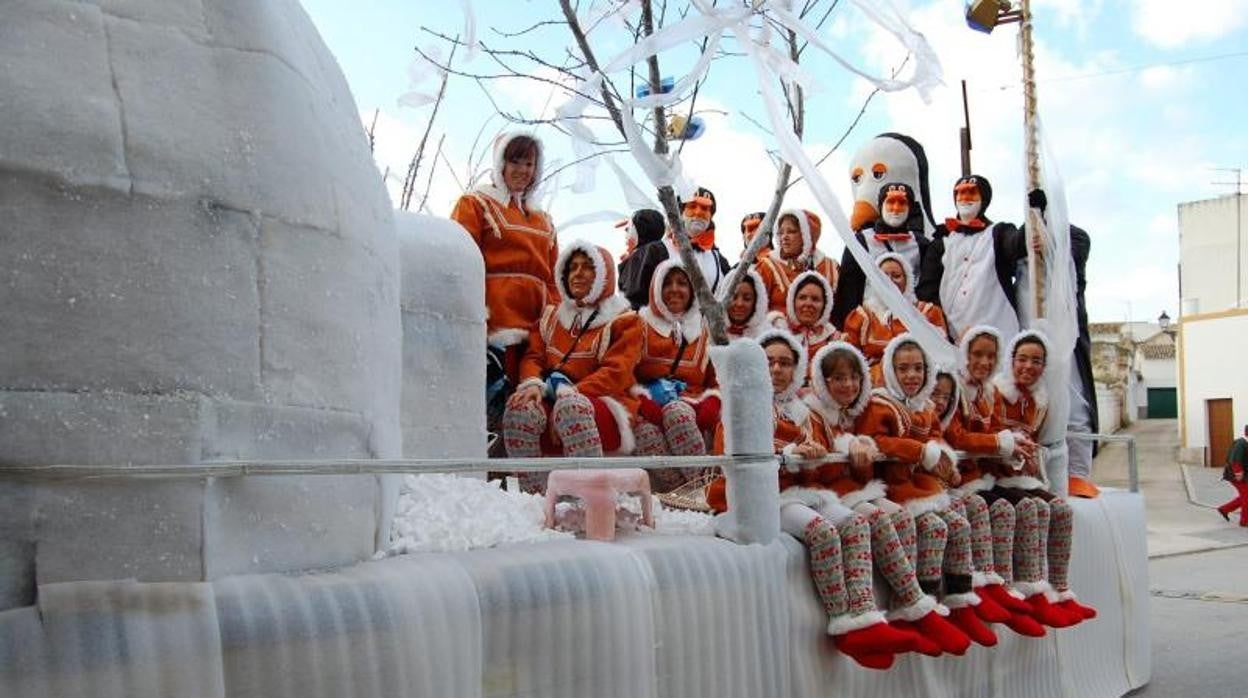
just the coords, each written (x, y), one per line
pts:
(432, 169)
(409, 182)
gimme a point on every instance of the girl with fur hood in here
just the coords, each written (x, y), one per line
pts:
(795, 252)
(1044, 521)
(746, 306)
(517, 243)
(997, 605)
(573, 398)
(971, 426)
(842, 412)
(674, 382)
(807, 307)
(840, 557)
(872, 325)
(907, 430)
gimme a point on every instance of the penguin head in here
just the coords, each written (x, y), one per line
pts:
(889, 157)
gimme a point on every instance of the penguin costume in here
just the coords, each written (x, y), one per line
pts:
(887, 160)
(969, 269)
(636, 273)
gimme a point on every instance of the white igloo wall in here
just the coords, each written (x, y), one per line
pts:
(197, 262)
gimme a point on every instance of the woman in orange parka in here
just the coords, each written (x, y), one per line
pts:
(573, 396)
(517, 243)
(872, 325)
(795, 252)
(674, 381)
(807, 307)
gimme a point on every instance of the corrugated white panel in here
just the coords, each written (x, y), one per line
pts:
(643, 616)
(103, 639)
(564, 619)
(720, 611)
(407, 626)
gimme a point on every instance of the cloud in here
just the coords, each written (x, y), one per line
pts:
(1171, 24)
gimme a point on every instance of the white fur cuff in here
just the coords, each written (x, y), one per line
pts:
(931, 455)
(1006, 443)
(970, 598)
(845, 623)
(914, 611)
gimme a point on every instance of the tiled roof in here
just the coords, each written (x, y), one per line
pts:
(1157, 351)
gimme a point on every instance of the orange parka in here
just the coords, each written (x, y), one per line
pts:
(662, 335)
(519, 247)
(779, 273)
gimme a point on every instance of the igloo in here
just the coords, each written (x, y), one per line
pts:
(198, 262)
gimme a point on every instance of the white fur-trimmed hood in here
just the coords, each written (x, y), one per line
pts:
(821, 400)
(663, 320)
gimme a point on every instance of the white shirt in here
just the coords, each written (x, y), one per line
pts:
(970, 292)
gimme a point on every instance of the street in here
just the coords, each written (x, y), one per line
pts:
(1198, 568)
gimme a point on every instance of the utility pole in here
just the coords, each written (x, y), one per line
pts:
(966, 134)
(1239, 238)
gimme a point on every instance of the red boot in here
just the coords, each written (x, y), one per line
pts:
(1068, 603)
(1005, 599)
(934, 626)
(1048, 614)
(966, 620)
(1025, 625)
(870, 634)
(926, 646)
(988, 610)
(873, 661)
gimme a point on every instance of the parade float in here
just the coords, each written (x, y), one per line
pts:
(220, 350)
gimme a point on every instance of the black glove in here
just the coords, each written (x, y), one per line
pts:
(1037, 199)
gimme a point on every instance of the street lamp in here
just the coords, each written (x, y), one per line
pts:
(984, 15)
(1164, 321)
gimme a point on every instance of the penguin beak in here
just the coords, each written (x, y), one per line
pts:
(862, 215)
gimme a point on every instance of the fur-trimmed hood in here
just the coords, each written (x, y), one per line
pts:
(602, 297)
(811, 228)
(758, 319)
(955, 397)
(790, 307)
(872, 299)
(664, 321)
(820, 400)
(799, 370)
(964, 352)
(496, 188)
(892, 386)
(1005, 378)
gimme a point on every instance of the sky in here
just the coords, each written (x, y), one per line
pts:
(1141, 100)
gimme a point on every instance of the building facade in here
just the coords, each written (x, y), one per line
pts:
(1213, 326)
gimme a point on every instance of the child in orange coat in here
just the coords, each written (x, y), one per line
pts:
(573, 397)
(796, 251)
(907, 429)
(745, 306)
(843, 414)
(673, 381)
(971, 426)
(1045, 521)
(872, 325)
(807, 306)
(840, 556)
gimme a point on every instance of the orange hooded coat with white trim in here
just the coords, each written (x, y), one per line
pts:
(813, 337)
(779, 274)
(599, 364)
(661, 334)
(519, 246)
(872, 325)
(974, 426)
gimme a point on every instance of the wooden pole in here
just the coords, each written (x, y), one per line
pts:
(1035, 223)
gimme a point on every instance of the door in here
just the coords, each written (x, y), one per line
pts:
(1163, 403)
(1221, 430)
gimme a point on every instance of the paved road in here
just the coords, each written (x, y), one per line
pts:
(1198, 569)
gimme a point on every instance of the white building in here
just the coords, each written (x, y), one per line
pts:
(1213, 326)
(1135, 370)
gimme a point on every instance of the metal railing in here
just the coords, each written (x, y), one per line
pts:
(1133, 464)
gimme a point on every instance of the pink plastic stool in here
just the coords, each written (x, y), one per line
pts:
(597, 490)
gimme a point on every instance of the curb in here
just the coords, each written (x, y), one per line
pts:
(1197, 551)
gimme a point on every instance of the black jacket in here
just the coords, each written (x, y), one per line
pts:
(636, 272)
(851, 284)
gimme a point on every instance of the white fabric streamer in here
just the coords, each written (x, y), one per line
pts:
(470, 30)
(633, 194)
(419, 72)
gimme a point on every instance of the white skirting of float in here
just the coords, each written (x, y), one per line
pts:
(648, 615)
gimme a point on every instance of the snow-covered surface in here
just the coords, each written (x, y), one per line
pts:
(645, 615)
(444, 513)
(199, 263)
